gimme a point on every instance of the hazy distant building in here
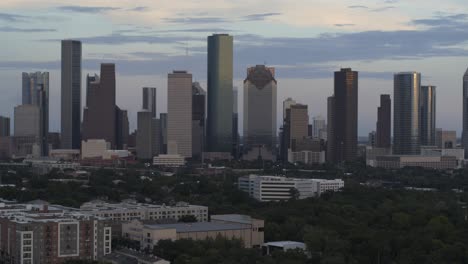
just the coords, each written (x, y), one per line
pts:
(298, 119)
(407, 114)
(149, 100)
(235, 123)
(260, 92)
(148, 138)
(179, 112)
(371, 139)
(465, 113)
(4, 126)
(384, 122)
(122, 128)
(319, 126)
(27, 121)
(71, 95)
(220, 87)
(198, 119)
(445, 139)
(428, 115)
(102, 119)
(36, 92)
(345, 116)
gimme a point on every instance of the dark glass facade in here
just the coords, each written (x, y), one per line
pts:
(384, 122)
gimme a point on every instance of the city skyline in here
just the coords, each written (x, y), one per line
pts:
(155, 48)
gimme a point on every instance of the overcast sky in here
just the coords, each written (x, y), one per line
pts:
(306, 40)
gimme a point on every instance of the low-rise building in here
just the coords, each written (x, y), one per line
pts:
(46, 165)
(270, 247)
(65, 154)
(128, 256)
(131, 210)
(306, 157)
(428, 162)
(43, 233)
(245, 228)
(167, 160)
(276, 188)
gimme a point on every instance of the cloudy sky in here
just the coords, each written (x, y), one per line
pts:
(306, 40)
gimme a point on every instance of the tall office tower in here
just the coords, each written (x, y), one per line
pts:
(318, 127)
(149, 100)
(345, 112)
(406, 115)
(465, 114)
(220, 101)
(27, 121)
(122, 128)
(36, 92)
(331, 158)
(71, 94)
(428, 115)
(235, 123)
(4, 126)
(148, 138)
(179, 113)
(384, 122)
(284, 131)
(90, 79)
(260, 93)
(163, 122)
(198, 119)
(99, 119)
(298, 121)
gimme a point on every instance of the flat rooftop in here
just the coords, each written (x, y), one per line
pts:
(199, 227)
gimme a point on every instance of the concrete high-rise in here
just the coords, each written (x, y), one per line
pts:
(99, 119)
(36, 92)
(319, 126)
(298, 121)
(71, 95)
(285, 133)
(384, 122)
(260, 96)
(220, 86)
(428, 115)
(4, 126)
(148, 141)
(163, 120)
(198, 119)
(407, 114)
(149, 100)
(345, 113)
(465, 114)
(179, 112)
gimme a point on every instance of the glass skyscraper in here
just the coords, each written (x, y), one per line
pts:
(407, 113)
(465, 113)
(71, 94)
(220, 86)
(428, 115)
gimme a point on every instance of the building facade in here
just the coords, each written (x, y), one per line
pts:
(71, 95)
(42, 233)
(4, 126)
(179, 113)
(465, 113)
(198, 120)
(428, 116)
(407, 114)
(345, 116)
(149, 100)
(384, 122)
(260, 93)
(220, 92)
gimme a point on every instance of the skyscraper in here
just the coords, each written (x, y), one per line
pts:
(298, 121)
(220, 101)
(331, 130)
(345, 116)
(4, 126)
(36, 92)
(99, 119)
(179, 112)
(384, 122)
(148, 141)
(319, 126)
(149, 100)
(465, 113)
(198, 119)
(428, 115)
(285, 130)
(71, 94)
(260, 92)
(406, 115)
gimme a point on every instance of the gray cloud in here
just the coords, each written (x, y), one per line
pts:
(358, 7)
(344, 25)
(259, 17)
(196, 20)
(12, 17)
(381, 9)
(87, 9)
(26, 30)
(120, 39)
(140, 9)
